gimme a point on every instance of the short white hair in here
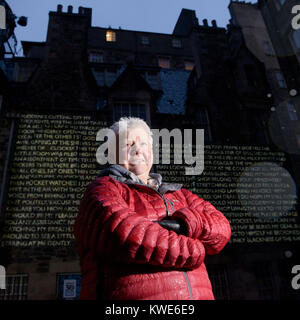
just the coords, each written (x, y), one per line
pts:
(131, 123)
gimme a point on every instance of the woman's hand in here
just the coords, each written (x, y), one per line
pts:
(175, 225)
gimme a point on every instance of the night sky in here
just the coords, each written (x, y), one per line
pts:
(141, 15)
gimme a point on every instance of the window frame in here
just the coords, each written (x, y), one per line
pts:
(176, 43)
(15, 290)
(113, 36)
(95, 53)
(145, 41)
(160, 58)
(188, 61)
(130, 105)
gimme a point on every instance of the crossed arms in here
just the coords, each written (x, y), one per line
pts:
(107, 226)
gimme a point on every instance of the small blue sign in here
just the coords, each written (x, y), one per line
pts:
(68, 286)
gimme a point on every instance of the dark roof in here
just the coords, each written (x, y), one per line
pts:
(129, 41)
(185, 22)
(130, 74)
(28, 45)
(174, 86)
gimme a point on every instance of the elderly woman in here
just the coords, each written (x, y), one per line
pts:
(140, 238)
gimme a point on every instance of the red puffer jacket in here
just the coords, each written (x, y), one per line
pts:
(125, 255)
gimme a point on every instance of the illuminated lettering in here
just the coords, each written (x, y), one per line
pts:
(51, 171)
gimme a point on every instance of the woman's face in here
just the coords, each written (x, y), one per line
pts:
(135, 152)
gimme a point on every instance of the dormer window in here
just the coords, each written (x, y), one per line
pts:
(110, 36)
(189, 65)
(130, 110)
(145, 41)
(164, 62)
(176, 43)
(96, 57)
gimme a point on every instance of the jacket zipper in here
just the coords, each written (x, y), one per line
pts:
(184, 273)
(168, 214)
(164, 200)
(188, 284)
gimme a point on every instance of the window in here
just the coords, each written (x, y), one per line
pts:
(176, 43)
(130, 109)
(145, 40)
(268, 48)
(105, 76)
(96, 57)
(282, 2)
(250, 75)
(280, 79)
(292, 111)
(16, 287)
(296, 38)
(189, 65)
(110, 36)
(164, 62)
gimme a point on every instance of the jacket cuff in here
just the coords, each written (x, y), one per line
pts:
(192, 222)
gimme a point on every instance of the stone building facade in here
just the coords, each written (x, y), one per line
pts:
(268, 33)
(202, 76)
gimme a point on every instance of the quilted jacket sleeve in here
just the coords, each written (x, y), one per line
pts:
(204, 222)
(106, 225)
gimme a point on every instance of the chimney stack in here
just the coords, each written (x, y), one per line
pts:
(80, 10)
(205, 23)
(70, 9)
(59, 8)
(214, 23)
